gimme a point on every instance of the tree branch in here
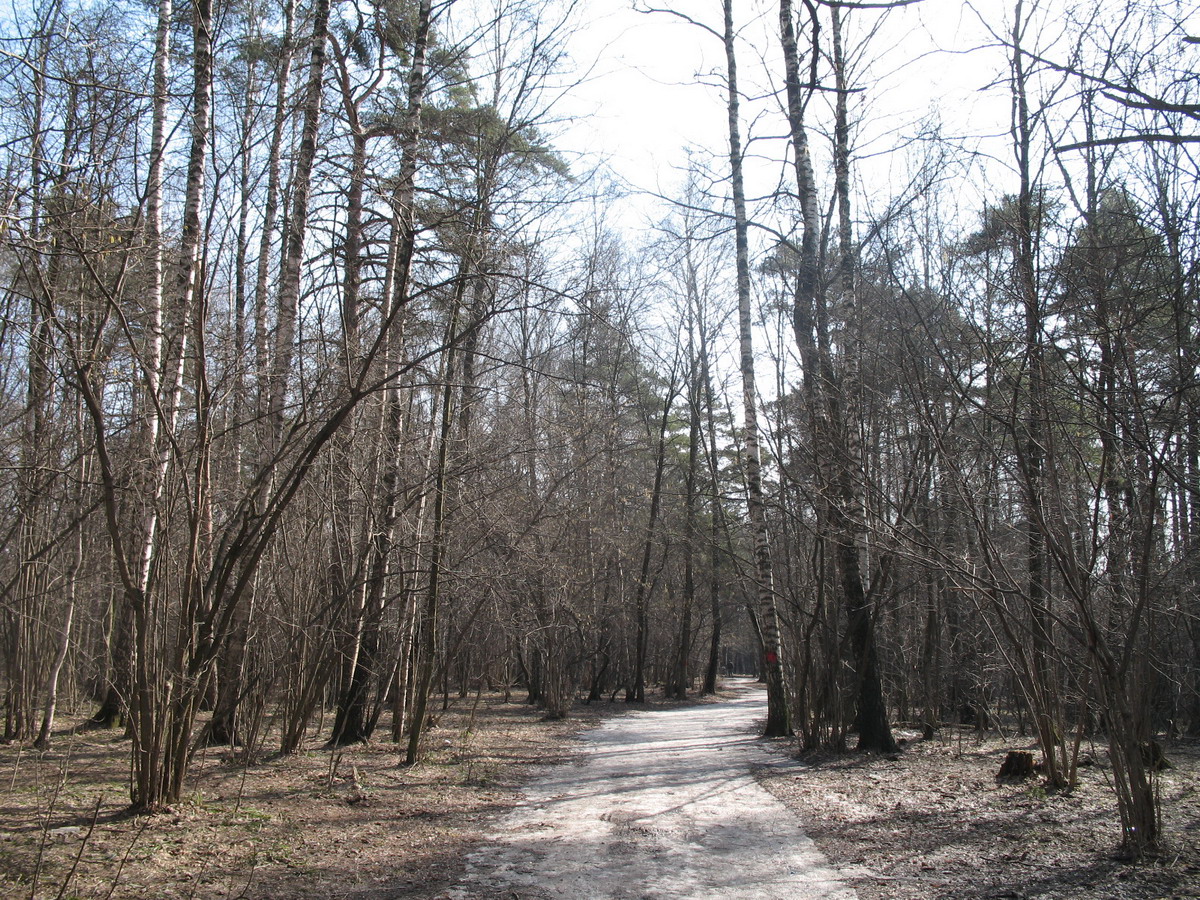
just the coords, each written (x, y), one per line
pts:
(1131, 139)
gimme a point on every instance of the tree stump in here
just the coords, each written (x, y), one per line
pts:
(1018, 765)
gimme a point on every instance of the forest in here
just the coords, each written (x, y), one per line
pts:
(336, 385)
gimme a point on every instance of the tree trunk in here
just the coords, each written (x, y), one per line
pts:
(64, 643)
(778, 703)
(1031, 441)
(637, 693)
(836, 461)
(289, 275)
(427, 649)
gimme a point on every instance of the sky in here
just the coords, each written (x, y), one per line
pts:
(641, 104)
(655, 91)
(645, 102)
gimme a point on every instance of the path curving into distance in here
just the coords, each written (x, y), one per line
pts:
(657, 804)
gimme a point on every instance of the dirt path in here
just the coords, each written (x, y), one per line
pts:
(659, 804)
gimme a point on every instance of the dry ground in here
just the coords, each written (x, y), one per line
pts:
(934, 822)
(348, 823)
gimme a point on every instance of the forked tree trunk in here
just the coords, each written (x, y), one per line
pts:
(836, 461)
(352, 724)
(162, 710)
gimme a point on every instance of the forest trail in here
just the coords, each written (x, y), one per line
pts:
(657, 804)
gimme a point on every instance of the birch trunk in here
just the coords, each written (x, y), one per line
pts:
(163, 711)
(778, 703)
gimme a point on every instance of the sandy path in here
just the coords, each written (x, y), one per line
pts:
(658, 804)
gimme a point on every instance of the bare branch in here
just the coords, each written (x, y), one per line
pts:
(1131, 139)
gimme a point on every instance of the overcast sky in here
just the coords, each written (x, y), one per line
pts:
(644, 102)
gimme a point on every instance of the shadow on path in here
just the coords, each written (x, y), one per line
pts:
(658, 804)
